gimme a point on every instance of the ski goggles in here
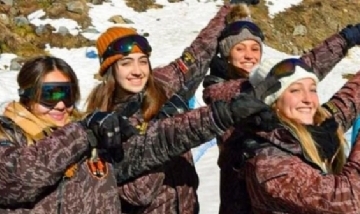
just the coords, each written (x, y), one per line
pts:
(236, 27)
(52, 93)
(124, 46)
(287, 68)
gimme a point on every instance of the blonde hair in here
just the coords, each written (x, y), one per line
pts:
(309, 146)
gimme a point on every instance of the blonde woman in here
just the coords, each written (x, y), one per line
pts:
(302, 168)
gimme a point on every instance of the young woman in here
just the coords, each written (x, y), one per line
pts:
(303, 168)
(128, 82)
(45, 160)
(241, 48)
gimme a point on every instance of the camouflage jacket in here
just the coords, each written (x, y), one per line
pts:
(32, 178)
(279, 180)
(322, 59)
(171, 188)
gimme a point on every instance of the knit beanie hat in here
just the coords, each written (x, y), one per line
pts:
(263, 72)
(240, 12)
(105, 39)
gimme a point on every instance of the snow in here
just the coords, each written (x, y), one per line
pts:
(171, 29)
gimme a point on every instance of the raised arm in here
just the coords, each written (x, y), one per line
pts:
(345, 103)
(27, 171)
(185, 74)
(324, 57)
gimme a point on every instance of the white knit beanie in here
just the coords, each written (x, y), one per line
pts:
(263, 70)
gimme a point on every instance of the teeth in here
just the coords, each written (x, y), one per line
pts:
(304, 110)
(248, 64)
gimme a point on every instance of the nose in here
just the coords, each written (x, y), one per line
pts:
(136, 69)
(60, 106)
(306, 98)
(248, 54)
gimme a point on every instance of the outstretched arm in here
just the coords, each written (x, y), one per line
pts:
(26, 172)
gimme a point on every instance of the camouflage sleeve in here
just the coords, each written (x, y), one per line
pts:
(185, 74)
(26, 172)
(324, 57)
(164, 139)
(345, 103)
(143, 190)
(285, 181)
(223, 90)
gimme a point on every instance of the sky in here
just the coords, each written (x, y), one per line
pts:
(171, 29)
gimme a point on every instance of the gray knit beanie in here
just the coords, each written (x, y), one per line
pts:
(239, 13)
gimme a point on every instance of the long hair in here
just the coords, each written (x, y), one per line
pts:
(103, 95)
(308, 144)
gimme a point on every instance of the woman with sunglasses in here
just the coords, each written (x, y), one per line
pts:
(301, 166)
(128, 82)
(45, 159)
(240, 47)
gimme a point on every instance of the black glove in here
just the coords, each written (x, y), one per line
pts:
(263, 89)
(241, 107)
(351, 34)
(218, 67)
(252, 2)
(266, 120)
(106, 128)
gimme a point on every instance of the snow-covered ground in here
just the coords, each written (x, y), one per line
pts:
(171, 29)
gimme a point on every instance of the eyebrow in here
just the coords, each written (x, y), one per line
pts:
(130, 58)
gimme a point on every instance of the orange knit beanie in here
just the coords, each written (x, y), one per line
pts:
(106, 39)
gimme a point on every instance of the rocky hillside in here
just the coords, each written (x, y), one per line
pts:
(301, 27)
(293, 31)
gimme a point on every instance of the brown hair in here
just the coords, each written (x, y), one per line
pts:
(308, 144)
(31, 75)
(103, 95)
(33, 71)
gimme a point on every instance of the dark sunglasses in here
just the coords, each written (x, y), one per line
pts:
(236, 27)
(124, 46)
(287, 67)
(51, 94)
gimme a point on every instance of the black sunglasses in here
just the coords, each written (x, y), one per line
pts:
(51, 94)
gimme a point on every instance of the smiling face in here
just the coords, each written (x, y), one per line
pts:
(59, 115)
(299, 101)
(132, 72)
(245, 55)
